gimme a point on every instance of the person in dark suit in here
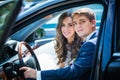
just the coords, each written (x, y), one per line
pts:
(84, 23)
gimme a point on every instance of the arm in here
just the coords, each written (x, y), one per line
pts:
(81, 67)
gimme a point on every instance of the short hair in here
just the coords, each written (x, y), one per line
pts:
(89, 13)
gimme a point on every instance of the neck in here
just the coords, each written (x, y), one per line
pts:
(84, 38)
(70, 40)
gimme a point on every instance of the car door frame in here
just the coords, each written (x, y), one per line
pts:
(106, 62)
(9, 22)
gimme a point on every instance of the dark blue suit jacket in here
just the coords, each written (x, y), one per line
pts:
(81, 67)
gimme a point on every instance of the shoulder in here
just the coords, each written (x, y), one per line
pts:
(92, 41)
(93, 38)
(89, 45)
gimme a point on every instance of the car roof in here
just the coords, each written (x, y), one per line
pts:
(37, 7)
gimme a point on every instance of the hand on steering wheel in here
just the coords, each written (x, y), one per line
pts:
(25, 58)
(20, 54)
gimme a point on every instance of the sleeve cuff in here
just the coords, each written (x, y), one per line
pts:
(38, 75)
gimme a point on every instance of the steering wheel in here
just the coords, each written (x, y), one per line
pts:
(25, 58)
(21, 55)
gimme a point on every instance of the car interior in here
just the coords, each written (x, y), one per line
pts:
(15, 45)
(29, 48)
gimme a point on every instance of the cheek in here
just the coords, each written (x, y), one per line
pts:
(87, 26)
(62, 30)
(86, 30)
(73, 32)
(72, 29)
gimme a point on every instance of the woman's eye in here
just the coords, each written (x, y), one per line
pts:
(70, 24)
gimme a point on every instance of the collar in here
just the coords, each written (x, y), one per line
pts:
(89, 36)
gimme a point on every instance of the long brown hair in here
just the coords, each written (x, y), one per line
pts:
(61, 41)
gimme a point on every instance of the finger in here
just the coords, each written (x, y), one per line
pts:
(23, 68)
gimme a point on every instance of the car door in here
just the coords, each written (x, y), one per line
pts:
(107, 58)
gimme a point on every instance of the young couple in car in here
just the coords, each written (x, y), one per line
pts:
(75, 45)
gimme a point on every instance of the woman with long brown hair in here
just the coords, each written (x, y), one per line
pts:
(67, 41)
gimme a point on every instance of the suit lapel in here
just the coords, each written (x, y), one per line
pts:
(94, 35)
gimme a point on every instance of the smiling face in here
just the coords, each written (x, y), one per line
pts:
(84, 22)
(67, 29)
(83, 26)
